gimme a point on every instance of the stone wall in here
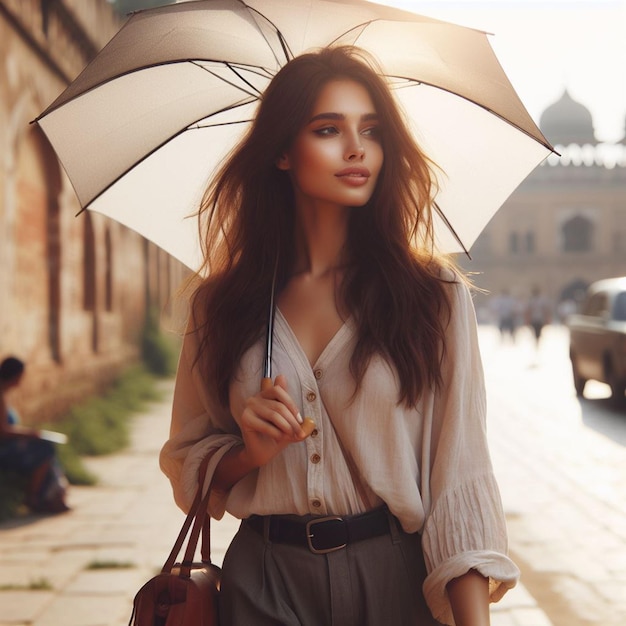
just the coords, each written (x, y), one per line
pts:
(74, 289)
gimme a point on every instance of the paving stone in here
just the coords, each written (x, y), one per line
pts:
(85, 610)
(562, 489)
(23, 606)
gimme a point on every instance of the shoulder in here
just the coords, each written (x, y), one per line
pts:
(452, 280)
(459, 291)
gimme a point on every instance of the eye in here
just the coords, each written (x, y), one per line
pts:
(372, 131)
(326, 131)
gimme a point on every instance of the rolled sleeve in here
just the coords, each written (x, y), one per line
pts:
(465, 531)
(465, 526)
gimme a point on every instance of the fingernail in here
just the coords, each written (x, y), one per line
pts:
(299, 418)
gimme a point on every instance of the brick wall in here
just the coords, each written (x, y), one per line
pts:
(49, 258)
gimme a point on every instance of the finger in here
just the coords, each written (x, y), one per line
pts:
(281, 381)
(280, 385)
(278, 391)
(266, 422)
(275, 412)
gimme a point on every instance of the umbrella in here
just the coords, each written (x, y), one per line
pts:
(140, 130)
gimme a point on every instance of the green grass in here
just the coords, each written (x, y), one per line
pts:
(110, 565)
(102, 425)
(39, 584)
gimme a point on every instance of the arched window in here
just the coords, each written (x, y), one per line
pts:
(37, 239)
(53, 254)
(89, 277)
(89, 264)
(577, 234)
(108, 271)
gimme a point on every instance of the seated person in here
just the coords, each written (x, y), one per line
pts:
(24, 452)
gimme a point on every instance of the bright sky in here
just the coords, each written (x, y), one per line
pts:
(547, 45)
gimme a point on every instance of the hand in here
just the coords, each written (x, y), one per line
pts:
(270, 422)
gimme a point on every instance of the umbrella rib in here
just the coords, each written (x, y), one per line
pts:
(255, 93)
(240, 76)
(412, 82)
(360, 27)
(281, 38)
(198, 123)
(156, 149)
(446, 221)
(194, 61)
(200, 126)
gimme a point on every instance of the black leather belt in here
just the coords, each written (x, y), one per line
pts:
(322, 534)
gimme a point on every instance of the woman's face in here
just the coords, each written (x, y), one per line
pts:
(336, 157)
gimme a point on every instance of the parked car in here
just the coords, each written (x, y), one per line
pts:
(598, 337)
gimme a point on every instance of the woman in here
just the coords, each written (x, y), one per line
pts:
(24, 452)
(373, 340)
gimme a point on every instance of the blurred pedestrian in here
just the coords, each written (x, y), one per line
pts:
(505, 308)
(24, 452)
(566, 308)
(538, 313)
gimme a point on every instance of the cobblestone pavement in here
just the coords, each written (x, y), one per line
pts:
(563, 484)
(562, 488)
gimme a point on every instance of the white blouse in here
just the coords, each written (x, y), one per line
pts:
(430, 463)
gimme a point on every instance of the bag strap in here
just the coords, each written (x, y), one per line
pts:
(205, 544)
(199, 517)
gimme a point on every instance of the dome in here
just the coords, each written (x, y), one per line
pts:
(567, 121)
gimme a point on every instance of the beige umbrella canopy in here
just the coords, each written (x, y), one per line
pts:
(142, 127)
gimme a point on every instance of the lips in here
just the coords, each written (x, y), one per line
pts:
(354, 176)
(354, 172)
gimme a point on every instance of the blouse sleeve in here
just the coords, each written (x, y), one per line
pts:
(465, 526)
(198, 427)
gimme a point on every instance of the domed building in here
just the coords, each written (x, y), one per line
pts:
(568, 122)
(565, 225)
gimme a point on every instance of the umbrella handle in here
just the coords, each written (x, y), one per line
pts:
(308, 425)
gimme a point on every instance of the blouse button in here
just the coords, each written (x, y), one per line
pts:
(315, 458)
(317, 373)
(316, 503)
(315, 433)
(311, 396)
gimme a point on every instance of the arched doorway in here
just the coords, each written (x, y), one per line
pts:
(89, 276)
(38, 244)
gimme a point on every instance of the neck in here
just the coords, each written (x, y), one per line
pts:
(321, 234)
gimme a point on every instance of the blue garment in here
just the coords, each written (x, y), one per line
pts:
(24, 455)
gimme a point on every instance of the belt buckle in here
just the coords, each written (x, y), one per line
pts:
(310, 536)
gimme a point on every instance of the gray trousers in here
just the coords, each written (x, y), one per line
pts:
(375, 582)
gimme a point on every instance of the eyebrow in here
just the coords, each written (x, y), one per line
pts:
(340, 117)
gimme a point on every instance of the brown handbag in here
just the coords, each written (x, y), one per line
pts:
(187, 593)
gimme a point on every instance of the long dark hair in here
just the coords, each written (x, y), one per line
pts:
(392, 285)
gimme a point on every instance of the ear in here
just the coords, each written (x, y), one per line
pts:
(282, 162)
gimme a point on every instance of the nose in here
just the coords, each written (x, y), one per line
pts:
(355, 151)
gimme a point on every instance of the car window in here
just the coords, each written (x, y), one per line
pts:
(596, 305)
(619, 307)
